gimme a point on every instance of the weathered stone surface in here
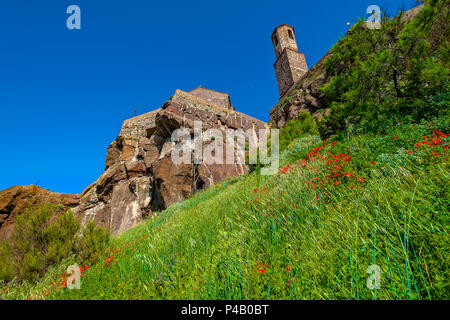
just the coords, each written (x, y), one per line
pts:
(291, 64)
(219, 98)
(173, 182)
(140, 176)
(15, 199)
(130, 203)
(135, 168)
(112, 154)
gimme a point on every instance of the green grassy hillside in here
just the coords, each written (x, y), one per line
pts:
(309, 232)
(374, 196)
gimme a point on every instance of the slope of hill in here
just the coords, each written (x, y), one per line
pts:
(361, 215)
(311, 232)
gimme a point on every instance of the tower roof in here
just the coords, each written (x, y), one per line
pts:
(282, 25)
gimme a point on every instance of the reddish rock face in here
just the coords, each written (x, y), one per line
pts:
(173, 182)
(140, 176)
(15, 199)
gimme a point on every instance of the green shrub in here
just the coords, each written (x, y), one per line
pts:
(44, 236)
(399, 71)
(305, 124)
(6, 269)
(92, 242)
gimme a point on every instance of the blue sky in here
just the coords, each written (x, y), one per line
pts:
(65, 93)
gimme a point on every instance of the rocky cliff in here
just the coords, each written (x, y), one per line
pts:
(140, 176)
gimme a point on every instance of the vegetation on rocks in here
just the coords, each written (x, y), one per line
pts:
(399, 73)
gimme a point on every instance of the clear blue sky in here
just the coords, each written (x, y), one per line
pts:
(64, 94)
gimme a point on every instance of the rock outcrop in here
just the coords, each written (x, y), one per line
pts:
(15, 199)
(140, 176)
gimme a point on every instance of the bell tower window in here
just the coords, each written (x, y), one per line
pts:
(291, 35)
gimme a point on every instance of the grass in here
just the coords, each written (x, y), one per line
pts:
(310, 232)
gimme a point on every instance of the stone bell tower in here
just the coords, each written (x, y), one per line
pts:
(291, 64)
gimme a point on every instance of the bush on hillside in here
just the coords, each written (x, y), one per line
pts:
(92, 242)
(401, 70)
(45, 236)
(305, 124)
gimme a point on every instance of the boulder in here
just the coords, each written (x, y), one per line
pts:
(16, 199)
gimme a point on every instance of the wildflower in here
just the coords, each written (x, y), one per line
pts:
(262, 269)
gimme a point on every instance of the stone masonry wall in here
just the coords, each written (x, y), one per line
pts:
(284, 41)
(219, 98)
(289, 68)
